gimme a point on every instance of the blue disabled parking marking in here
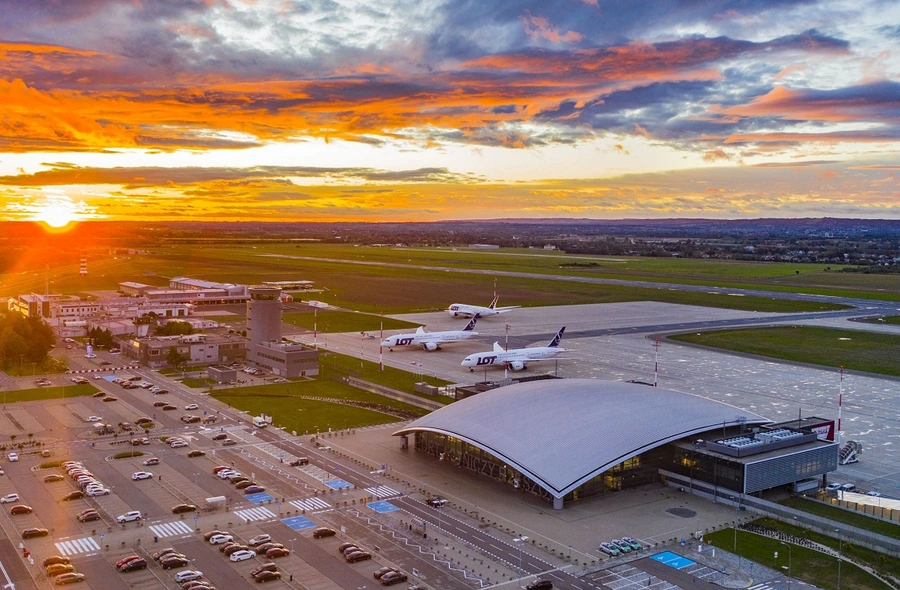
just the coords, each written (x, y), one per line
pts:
(259, 498)
(109, 378)
(382, 507)
(672, 560)
(338, 484)
(298, 522)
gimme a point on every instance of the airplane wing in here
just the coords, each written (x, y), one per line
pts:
(505, 309)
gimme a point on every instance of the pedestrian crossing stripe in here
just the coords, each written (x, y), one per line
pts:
(255, 514)
(382, 492)
(763, 586)
(170, 529)
(76, 546)
(311, 504)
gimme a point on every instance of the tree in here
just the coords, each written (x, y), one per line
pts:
(175, 358)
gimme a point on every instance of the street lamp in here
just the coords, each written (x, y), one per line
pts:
(521, 539)
(789, 563)
(840, 556)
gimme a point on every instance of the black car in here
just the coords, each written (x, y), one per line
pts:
(220, 436)
(391, 578)
(299, 462)
(76, 495)
(171, 561)
(163, 552)
(323, 532)
(196, 453)
(267, 576)
(382, 571)
(134, 565)
(169, 407)
(99, 394)
(160, 404)
(254, 490)
(54, 559)
(540, 585)
(30, 533)
(181, 508)
(266, 567)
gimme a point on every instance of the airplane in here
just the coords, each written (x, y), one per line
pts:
(431, 340)
(517, 358)
(466, 310)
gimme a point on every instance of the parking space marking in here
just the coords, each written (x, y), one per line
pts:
(170, 529)
(298, 522)
(76, 546)
(338, 484)
(311, 504)
(382, 492)
(261, 513)
(382, 507)
(259, 498)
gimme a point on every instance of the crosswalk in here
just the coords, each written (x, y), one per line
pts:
(311, 504)
(76, 546)
(382, 492)
(260, 513)
(170, 529)
(764, 586)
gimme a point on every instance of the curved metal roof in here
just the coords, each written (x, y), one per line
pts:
(562, 433)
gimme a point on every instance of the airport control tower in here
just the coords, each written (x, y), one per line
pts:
(264, 315)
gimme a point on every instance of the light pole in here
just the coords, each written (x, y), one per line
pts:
(840, 556)
(789, 563)
(521, 539)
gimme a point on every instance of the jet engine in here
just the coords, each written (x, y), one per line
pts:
(430, 346)
(516, 365)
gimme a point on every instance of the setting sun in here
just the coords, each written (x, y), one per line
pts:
(56, 212)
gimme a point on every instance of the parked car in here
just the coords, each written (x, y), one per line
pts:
(220, 538)
(178, 444)
(235, 548)
(299, 462)
(163, 552)
(259, 540)
(110, 398)
(323, 532)
(168, 407)
(229, 442)
(391, 578)
(99, 492)
(13, 457)
(210, 534)
(358, 556)
(277, 552)
(382, 571)
(134, 565)
(70, 578)
(540, 585)
(344, 546)
(266, 567)
(635, 545)
(609, 549)
(220, 436)
(94, 419)
(265, 546)
(76, 495)
(267, 576)
(242, 555)
(56, 559)
(254, 490)
(172, 561)
(182, 508)
(59, 568)
(436, 501)
(137, 475)
(9, 498)
(88, 515)
(242, 483)
(32, 532)
(192, 407)
(187, 575)
(151, 461)
(621, 545)
(126, 559)
(21, 509)
(833, 487)
(129, 516)
(160, 404)
(196, 453)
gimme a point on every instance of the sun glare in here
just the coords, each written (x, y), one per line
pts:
(56, 212)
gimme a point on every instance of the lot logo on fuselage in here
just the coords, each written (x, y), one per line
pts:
(404, 341)
(485, 360)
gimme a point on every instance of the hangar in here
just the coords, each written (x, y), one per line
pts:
(570, 438)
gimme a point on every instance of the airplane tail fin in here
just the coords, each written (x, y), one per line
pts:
(494, 302)
(557, 338)
(471, 325)
(497, 347)
(420, 330)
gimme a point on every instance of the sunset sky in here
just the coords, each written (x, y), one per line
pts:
(417, 110)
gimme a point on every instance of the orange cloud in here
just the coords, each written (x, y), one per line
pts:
(539, 26)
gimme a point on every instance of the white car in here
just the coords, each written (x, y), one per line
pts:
(188, 575)
(228, 473)
(219, 539)
(242, 555)
(13, 457)
(9, 498)
(94, 419)
(144, 385)
(192, 407)
(141, 475)
(129, 516)
(105, 492)
(178, 444)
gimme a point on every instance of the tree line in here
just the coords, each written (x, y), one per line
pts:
(23, 340)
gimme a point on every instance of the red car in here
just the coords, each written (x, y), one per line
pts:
(277, 552)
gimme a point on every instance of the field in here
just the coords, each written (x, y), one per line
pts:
(30, 395)
(332, 321)
(807, 565)
(860, 351)
(317, 405)
(390, 281)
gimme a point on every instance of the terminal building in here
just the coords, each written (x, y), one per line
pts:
(565, 439)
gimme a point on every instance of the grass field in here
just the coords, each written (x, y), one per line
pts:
(860, 351)
(30, 395)
(807, 565)
(292, 407)
(406, 287)
(847, 517)
(333, 365)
